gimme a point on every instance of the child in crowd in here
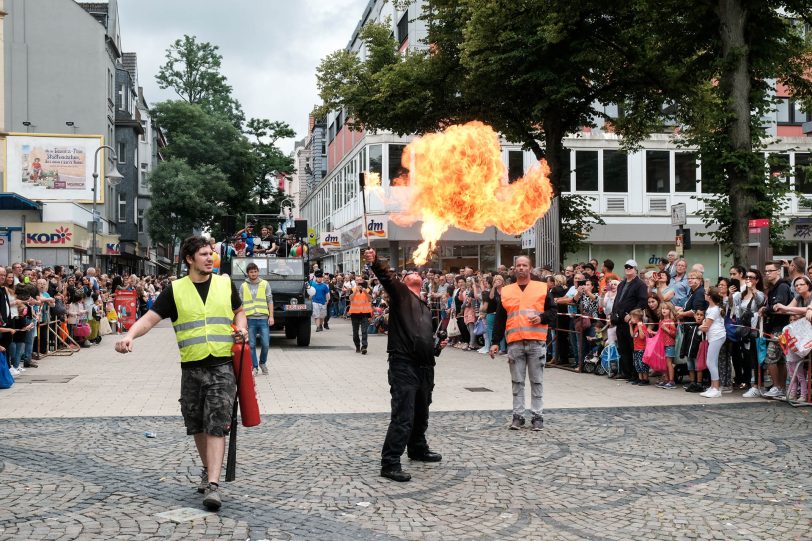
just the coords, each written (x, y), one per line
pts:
(610, 355)
(690, 346)
(669, 330)
(639, 335)
(714, 328)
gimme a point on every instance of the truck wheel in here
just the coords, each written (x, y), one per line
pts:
(303, 336)
(291, 329)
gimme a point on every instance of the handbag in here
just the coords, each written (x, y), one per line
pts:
(654, 355)
(81, 330)
(731, 328)
(104, 327)
(453, 329)
(702, 356)
(6, 379)
(582, 324)
(479, 327)
(761, 343)
(744, 330)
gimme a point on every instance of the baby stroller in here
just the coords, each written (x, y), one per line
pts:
(610, 356)
(592, 364)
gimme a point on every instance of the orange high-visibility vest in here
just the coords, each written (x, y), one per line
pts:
(360, 302)
(520, 306)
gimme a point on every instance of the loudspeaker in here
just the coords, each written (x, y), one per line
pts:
(301, 228)
(229, 224)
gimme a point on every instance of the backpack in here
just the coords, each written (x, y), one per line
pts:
(745, 322)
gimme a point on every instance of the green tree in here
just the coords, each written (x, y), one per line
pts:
(184, 199)
(269, 158)
(192, 70)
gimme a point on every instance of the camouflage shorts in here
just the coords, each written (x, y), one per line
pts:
(774, 354)
(207, 398)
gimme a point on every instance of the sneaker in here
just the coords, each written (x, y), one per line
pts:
(661, 384)
(211, 498)
(482, 350)
(31, 364)
(793, 396)
(727, 389)
(752, 393)
(695, 387)
(517, 423)
(669, 385)
(264, 369)
(537, 423)
(363, 351)
(711, 393)
(326, 327)
(774, 392)
(644, 382)
(318, 329)
(20, 369)
(633, 382)
(255, 371)
(204, 481)
(14, 371)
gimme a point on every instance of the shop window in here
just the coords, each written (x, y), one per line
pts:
(685, 172)
(566, 167)
(375, 159)
(657, 174)
(615, 171)
(586, 170)
(515, 165)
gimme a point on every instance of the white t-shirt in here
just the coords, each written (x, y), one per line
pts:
(717, 328)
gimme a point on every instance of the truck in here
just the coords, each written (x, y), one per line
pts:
(287, 277)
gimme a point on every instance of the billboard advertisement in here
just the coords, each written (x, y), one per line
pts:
(53, 167)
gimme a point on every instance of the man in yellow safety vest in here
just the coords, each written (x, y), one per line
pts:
(202, 306)
(257, 301)
(360, 312)
(522, 319)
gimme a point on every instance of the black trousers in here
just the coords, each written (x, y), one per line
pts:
(411, 387)
(359, 322)
(625, 347)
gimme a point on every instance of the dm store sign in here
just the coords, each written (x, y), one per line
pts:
(377, 228)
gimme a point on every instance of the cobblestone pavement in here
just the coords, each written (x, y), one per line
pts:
(673, 472)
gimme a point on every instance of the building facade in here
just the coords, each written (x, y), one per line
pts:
(633, 192)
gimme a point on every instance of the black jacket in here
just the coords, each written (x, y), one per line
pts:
(691, 339)
(780, 293)
(635, 297)
(411, 333)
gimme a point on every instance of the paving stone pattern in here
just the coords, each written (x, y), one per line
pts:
(672, 472)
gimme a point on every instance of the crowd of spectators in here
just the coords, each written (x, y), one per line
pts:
(44, 309)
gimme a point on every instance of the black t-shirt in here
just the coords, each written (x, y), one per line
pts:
(165, 307)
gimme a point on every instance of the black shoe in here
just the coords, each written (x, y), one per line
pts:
(327, 327)
(395, 474)
(358, 350)
(516, 423)
(363, 351)
(428, 456)
(537, 423)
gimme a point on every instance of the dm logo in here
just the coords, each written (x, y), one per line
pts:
(61, 235)
(375, 229)
(331, 241)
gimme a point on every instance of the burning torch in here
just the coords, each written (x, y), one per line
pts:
(362, 183)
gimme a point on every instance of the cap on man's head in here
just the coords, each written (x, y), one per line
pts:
(631, 263)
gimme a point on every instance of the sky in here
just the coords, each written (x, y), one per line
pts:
(270, 48)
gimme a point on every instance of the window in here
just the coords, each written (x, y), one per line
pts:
(122, 153)
(141, 227)
(135, 211)
(566, 167)
(142, 177)
(657, 174)
(515, 165)
(331, 132)
(375, 159)
(615, 171)
(586, 170)
(339, 121)
(788, 111)
(143, 136)
(109, 85)
(122, 208)
(779, 166)
(403, 28)
(397, 170)
(803, 179)
(685, 172)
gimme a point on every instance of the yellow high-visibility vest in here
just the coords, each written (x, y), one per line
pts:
(203, 330)
(255, 305)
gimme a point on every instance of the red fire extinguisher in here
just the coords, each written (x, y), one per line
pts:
(249, 407)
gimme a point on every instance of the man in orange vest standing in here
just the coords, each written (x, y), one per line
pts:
(360, 312)
(522, 319)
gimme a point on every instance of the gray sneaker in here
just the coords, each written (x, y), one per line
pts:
(517, 423)
(537, 423)
(264, 369)
(212, 500)
(204, 481)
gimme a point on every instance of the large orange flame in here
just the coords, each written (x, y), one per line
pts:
(457, 179)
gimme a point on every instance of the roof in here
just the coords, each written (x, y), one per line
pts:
(130, 63)
(99, 10)
(14, 201)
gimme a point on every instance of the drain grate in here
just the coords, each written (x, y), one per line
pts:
(45, 379)
(479, 389)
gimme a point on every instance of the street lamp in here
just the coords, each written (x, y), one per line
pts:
(113, 178)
